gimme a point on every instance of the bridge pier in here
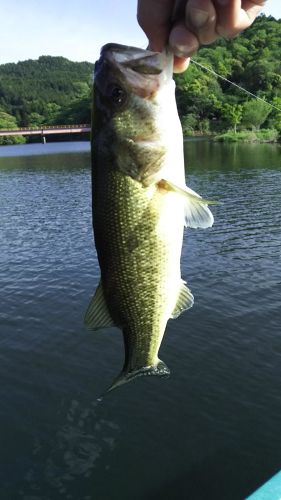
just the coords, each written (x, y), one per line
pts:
(44, 139)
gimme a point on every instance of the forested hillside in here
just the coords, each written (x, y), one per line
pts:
(48, 90)
(251, 60)
(54, 90)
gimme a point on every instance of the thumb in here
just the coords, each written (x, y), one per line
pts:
(154, 17)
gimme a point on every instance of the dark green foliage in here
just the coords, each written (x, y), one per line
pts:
(9, 121)
(255, 112)
(244, 136)
(263, 135)
(54, 90)
(251, 60)
(78, 111)
(44, 91)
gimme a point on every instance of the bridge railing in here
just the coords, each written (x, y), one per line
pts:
(46, 129)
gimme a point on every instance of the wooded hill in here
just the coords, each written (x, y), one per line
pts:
(252, 61)
(45, 91)
(54, 90)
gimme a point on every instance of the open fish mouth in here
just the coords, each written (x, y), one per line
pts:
(143, 71)
(141, 61)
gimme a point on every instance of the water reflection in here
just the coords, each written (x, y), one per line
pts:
(210, 156)
(67, 461)
(220, 409)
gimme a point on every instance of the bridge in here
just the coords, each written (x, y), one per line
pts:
(46, 130)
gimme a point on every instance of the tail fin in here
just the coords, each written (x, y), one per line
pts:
(159, 370)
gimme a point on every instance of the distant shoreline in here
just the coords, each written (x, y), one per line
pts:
(258, 136)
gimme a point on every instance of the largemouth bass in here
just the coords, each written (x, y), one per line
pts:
(140, 204)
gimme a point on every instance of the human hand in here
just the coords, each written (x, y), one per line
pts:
(184, 25)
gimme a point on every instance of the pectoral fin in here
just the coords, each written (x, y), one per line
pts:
(197, 213)
(185, 300)
(97, 315)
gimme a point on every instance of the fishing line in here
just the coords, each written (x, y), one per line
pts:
(235, 84)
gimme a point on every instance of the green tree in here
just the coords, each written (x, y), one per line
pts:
(233, 114)
(255, 113)
(275, 115)
(8, 121)
(78, 111)
(35, 120)
(52, 112)
(189, 123)
(199, 94)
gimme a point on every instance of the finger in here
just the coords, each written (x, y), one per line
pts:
(182, 41)
(200, 18)
(181, 64)
(154, 17)
(233, 16)
(252, 8)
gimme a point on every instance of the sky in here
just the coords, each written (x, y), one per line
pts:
(75, 29)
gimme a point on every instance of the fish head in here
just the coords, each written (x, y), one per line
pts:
(132, 89)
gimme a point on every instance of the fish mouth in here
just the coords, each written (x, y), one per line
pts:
(143, 70)
(141, 61)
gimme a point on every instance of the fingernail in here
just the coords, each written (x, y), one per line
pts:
(182, 42)
(198, 17)
(184, 50)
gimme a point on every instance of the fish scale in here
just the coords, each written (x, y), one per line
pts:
(140, 203)
(136, 277)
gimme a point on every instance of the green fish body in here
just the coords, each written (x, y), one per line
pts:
(140, 204)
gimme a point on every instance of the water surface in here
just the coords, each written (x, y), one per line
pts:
(211, 431)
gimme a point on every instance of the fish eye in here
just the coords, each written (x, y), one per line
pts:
(117, 95)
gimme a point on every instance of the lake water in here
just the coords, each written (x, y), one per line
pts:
(212, 430)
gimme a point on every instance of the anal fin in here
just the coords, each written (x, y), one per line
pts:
(97, 315)
(185, 300)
